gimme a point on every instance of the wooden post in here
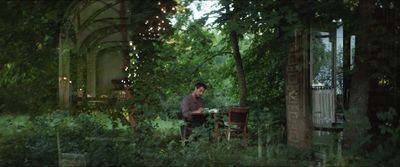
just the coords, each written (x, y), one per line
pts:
(346, 63)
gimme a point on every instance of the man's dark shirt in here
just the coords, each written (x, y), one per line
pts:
(189, 104)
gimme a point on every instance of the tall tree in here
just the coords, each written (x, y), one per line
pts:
(232, 29)
(356, 115)
(239, 67)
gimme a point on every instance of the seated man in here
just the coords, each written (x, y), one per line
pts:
(192, 108)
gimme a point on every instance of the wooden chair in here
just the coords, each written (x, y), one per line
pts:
(237, 124)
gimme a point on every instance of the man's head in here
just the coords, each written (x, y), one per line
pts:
(199, 89)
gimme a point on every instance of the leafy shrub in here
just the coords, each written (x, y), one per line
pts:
(107, 142)
(34, 142)
(386, 152)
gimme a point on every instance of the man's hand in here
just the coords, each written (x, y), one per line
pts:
(198, 111)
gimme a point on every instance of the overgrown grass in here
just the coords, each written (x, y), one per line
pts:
(32, 141)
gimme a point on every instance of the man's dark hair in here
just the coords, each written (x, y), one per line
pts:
(200, 84)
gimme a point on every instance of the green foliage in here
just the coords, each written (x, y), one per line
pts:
(372, 149)
(28, 55)
(204, 54)
(196, 54)
(385, 152)
(33, 141)
(166, 70)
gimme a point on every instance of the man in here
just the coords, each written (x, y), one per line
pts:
(193, 104)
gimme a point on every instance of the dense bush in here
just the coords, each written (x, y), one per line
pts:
(385, 153)
(32, 141)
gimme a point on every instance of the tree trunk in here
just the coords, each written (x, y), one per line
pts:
(239, 68)
(236, 53)
(357, 122)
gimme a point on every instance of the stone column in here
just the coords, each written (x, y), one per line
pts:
(64, 72)
(298, 92)
(91, 74)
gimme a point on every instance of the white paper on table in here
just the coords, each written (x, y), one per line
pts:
(213, 110)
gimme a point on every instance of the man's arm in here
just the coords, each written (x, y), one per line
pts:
(185, 109)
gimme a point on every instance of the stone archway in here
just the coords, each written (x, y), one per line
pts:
(98, 45)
